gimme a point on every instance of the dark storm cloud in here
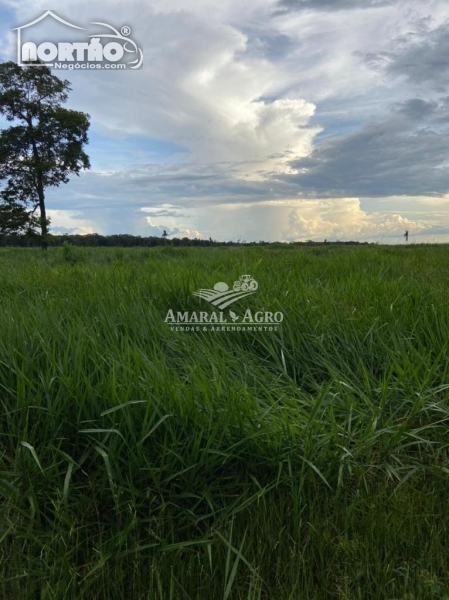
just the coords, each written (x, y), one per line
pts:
(416, 108)
(404, 154)
(422, 56)
(328, 5)
(180, 185)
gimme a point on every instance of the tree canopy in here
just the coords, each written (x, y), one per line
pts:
(41, 149)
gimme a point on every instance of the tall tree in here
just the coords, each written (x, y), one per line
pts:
(43, 146)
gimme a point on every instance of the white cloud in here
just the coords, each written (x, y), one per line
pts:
(343, 218)
(243, 92)
(69, 221)
(295, 220)
(197, 87)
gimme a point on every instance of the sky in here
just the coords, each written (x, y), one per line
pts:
(283, 120)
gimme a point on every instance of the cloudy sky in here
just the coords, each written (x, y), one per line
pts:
(263, 120)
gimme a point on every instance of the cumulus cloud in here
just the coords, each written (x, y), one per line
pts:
(199, 88)
(69, 221)
(273, 219)
(243, 111)
(172, 230)
(299, 220)
(344, 219)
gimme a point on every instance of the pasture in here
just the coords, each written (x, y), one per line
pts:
(310, 462)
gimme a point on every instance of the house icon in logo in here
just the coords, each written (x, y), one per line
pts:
(27, 52)
(104, 50)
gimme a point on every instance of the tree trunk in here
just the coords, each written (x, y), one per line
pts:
(40, 188)
(43, 220)
(43, 212)
(40, 193)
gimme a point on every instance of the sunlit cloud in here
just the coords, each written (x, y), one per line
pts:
(274, 119)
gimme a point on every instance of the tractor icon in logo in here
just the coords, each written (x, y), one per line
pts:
(245, 284)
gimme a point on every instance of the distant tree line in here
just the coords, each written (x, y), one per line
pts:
(128, 241)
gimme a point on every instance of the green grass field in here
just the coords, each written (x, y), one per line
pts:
(307, 463)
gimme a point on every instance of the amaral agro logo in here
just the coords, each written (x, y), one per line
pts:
(40, 42)
(221, 297)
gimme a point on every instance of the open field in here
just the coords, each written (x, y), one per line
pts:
(307, 463)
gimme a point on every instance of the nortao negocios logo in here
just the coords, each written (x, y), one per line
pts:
(221, 296)
(54, 42)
